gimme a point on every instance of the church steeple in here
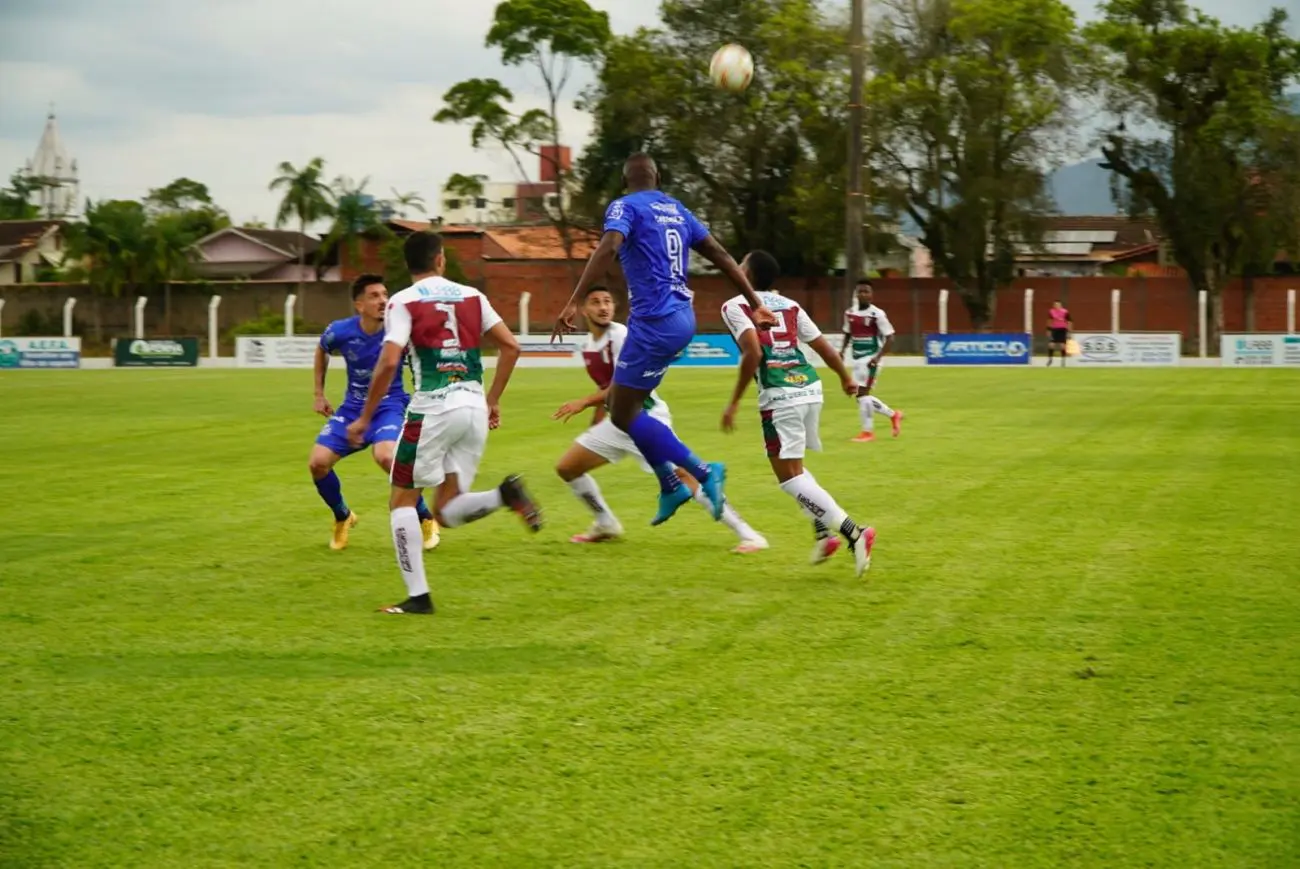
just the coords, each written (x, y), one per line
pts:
(54, 172)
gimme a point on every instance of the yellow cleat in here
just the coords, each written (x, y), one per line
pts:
(339, 537)
(431, 532)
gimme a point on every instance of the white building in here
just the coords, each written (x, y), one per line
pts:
(59, 191)
(497, 205)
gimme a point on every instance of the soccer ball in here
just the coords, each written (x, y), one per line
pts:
(732, 68)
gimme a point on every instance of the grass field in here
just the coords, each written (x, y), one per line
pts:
(1079, 643)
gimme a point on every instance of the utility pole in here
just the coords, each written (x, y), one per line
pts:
(853, 211)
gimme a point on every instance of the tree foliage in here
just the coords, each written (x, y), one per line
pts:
(766, 167)
(1212, 152)
(969, 109)
(16, 199)
(549, 37)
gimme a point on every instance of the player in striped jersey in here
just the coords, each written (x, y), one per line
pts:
(790, 403)
(868, 329)
(603, 443)
(449, 416)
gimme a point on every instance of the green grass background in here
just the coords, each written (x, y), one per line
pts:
(1079, 644)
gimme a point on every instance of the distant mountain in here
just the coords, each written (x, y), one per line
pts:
(1083, 188)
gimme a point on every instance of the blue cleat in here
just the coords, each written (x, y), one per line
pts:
(712, 488)
(669, 502)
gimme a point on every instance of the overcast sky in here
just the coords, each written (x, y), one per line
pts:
(223, 90)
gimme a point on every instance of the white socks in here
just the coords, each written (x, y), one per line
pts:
(410, 550)
(865, 409)
(817, 503)
(589, 493)
(868, 406)
(729, 516)
(470, 506)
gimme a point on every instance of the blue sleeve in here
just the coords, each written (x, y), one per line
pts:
(698, 231)
(618, 218)
(327, 339)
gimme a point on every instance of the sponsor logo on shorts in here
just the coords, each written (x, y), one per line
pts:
(660, 372)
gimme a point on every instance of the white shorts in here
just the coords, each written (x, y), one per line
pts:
(437, 444)
(790, 431)
(613, 444)
(862, 371)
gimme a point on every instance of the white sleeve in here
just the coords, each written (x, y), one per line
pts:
(397, 324)
(808, 331)
(738, 322)
(490, 316)
(617, 336)
(847, 330)
(882, 323)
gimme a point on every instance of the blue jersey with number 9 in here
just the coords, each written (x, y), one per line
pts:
(658, 234)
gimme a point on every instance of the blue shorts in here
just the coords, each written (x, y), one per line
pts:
(651, 346)
(386, 426)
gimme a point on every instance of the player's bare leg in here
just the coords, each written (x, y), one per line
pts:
(383, 453)
(665, 453)
(321, 464)
(826, 514)
(575, 468)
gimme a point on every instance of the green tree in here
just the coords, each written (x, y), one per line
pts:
(109, 250)
(191, 203)
(402, 201)
(967, 112)
(1214, 150)
(356, 214)
(169, 255)
(16, 199)
(308, 198)
(765, 168)
(549, 37)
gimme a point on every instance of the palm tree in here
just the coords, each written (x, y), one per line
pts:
(169, 256)
(356, 214)
(108, 250)
(306, 197)
(403, 201)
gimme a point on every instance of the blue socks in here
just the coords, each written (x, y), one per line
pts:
(423, 510)
(662, 449)
(331, 492)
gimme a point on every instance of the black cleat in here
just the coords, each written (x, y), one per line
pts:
(516, 497)
(421, 605)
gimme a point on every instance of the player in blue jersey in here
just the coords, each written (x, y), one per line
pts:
(358, 340)
(652, 235)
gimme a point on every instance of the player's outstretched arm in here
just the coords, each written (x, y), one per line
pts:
(596, 269)
(570, 409)
(507, 358)
(751, 356)
(835, 361)
(322, 405)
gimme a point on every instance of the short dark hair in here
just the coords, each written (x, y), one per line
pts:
(420, 250)
(865, 282)
(595, 288)
(765, 269)
(364, 282)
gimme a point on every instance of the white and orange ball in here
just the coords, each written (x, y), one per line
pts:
(732, 68)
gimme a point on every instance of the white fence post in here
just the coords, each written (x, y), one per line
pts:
(943, 312)
(140, 302)
(213, 304)
(1290, 312)
(67, 316)
(524, 299)
(1114, 311)
(2, 308)
(288, 314)
(1029, 313)
(1202, 318)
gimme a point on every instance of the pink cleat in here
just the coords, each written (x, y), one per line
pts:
(897, 422)
(750, 546)
(865, 438)
(824, 549)
(598, 533)
(862, 549)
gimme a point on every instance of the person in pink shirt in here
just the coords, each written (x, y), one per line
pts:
(1058, 328)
